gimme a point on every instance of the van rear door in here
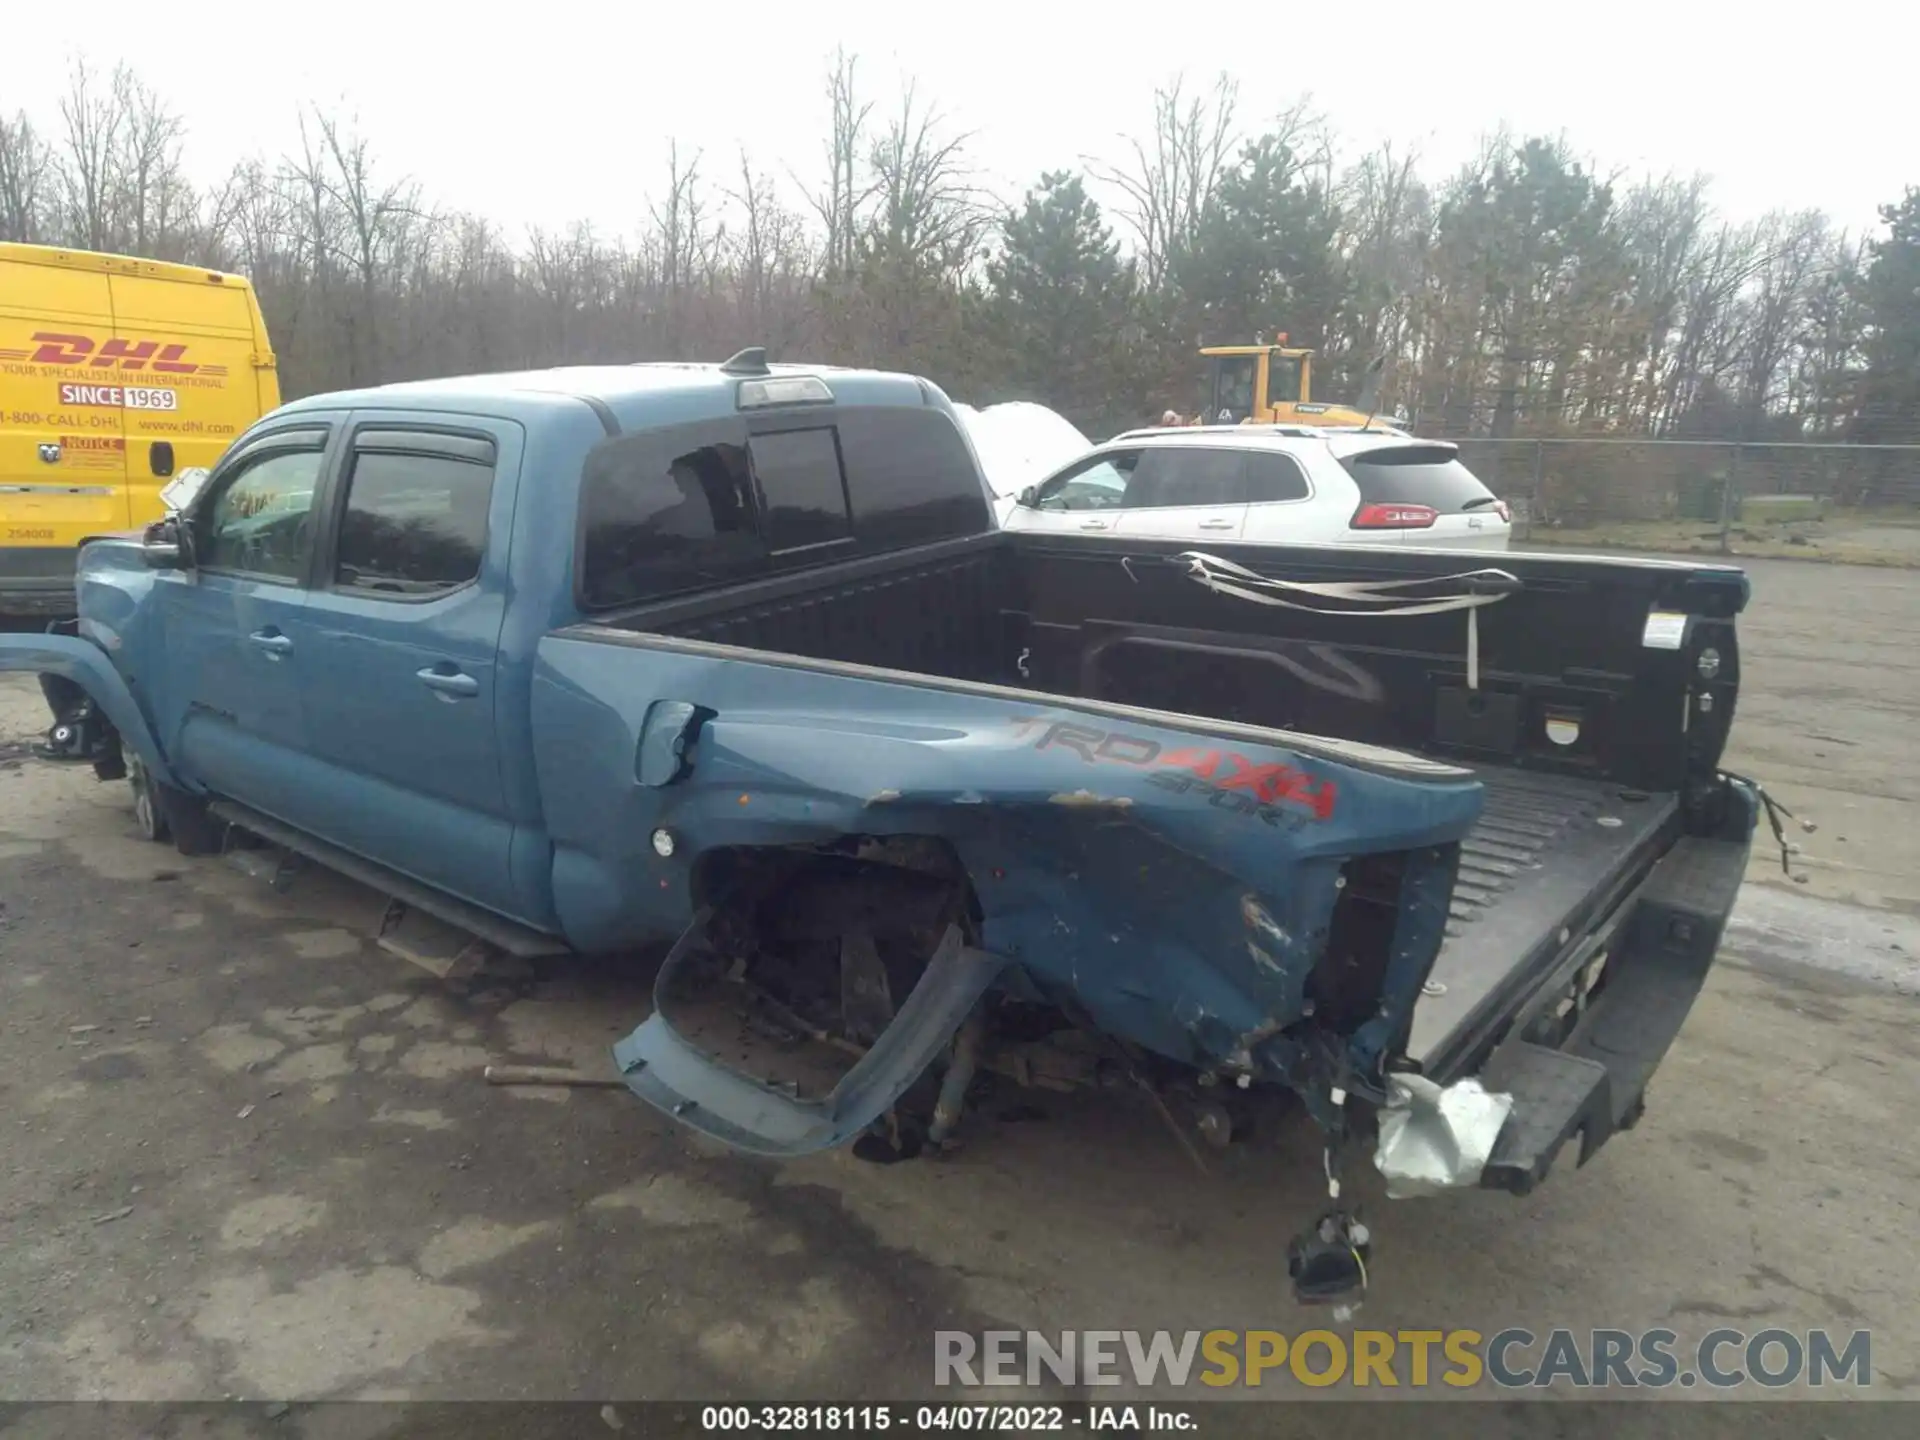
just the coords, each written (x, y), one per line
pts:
(187, 377)
(60, 462)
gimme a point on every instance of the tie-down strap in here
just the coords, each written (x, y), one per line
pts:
(1361, 597)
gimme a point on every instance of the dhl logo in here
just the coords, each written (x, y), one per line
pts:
(131, 355)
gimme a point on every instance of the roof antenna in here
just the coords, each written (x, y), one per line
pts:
(750, 361)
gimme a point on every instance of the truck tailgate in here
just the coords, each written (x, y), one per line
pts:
(1549, 855)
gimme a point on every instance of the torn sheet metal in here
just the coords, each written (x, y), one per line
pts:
(1176, 882)
(1434, 1137)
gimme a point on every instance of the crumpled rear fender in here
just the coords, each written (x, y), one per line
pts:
(90, 667)
(675, 1076)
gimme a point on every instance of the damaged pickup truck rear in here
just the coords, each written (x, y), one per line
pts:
(732, 658)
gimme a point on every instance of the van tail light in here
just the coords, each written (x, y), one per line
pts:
(1506, 515)
(1395, 517)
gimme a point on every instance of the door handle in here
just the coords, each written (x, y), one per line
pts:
(452, 683)
(1096, 525)
(271, 641)
(1216, 524)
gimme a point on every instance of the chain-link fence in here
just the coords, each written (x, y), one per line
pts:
(1700, 494)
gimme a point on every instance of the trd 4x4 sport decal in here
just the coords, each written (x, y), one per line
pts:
(1229, 779)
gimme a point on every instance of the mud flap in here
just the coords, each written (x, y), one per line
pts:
(670, 1073)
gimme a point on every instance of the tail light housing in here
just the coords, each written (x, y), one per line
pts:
(1501, 509)
(1395, 517)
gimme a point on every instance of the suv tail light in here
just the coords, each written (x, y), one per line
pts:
(1395, 517)
(1501, 509)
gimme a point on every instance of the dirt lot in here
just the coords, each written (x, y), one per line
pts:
(249, 1154)
(1880, 536)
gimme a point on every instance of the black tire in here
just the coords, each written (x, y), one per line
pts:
(149, 812)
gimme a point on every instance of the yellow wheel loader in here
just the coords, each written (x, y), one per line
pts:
(1262, 384)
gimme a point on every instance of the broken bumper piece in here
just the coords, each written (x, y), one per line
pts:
(1435, 1137)
(672, 1073)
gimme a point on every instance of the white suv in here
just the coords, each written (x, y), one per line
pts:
(1271, 484)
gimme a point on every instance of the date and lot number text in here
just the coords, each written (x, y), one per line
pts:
(953, 1416)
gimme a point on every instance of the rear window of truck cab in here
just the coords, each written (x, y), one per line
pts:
(682, 508)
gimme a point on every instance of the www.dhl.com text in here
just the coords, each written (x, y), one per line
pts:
(1512, 1359)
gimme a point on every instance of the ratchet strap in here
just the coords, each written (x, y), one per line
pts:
(1360, 597)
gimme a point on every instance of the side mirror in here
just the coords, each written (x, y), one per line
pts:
(163, 546)
(1029, 497)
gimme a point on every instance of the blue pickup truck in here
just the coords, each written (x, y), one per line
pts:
(732, 658)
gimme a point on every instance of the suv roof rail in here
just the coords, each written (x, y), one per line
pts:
(1292, 432)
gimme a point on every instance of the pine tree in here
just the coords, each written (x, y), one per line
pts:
(1062, 301)
(1890, 293)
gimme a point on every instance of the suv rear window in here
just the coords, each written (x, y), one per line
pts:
(1417, 475)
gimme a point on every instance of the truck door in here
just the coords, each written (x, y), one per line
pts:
(226, 683)
(400, 637)
(60, 462)
(184, 354)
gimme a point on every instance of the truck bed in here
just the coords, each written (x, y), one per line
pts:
(1568, 829)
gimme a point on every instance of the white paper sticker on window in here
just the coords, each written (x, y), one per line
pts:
(1666, 630)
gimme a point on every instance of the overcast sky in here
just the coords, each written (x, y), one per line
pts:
(562, 109)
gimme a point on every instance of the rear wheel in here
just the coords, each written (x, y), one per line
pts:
(149, 810)
(163, 813)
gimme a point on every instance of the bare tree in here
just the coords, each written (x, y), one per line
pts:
(26, 167)
(926, 203)
(357, 226)
(155, 199)
(771, 259)
(688, 244)
(1169, 184)
(842, 205)
(1795, 250)
(92, 121)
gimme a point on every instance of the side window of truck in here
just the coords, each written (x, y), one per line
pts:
(415, 519)
(910, 476)
(803, 486)
(257, 519)
(661, 513)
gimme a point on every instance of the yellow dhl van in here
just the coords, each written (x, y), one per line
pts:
(115, 375)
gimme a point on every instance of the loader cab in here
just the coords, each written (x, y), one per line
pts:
(1255, 384)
